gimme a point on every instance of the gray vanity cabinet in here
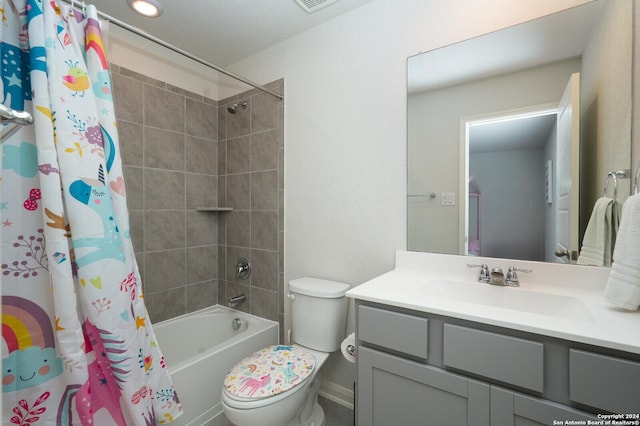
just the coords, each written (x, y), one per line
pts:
(396, 391)
(512, 408)
(416, 368)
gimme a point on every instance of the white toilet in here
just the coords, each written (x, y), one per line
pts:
(278, 385)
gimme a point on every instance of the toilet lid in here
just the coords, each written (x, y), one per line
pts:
(269, 371)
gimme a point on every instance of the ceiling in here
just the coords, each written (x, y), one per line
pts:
(224, 32)
(555, 37)
(517, 133)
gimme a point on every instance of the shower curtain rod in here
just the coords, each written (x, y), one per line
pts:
(182, 52)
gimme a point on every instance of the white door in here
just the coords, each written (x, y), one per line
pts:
(567, 172)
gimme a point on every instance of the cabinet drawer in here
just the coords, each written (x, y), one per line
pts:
(508, 359)
(604, 382)
(399, 332)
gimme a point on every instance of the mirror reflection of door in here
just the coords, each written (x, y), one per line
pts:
(568, 172)
(514, 210)
(507, 156)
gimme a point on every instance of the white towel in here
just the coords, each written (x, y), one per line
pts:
(623, 286)
(600, 235)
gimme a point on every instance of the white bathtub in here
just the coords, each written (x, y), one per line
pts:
(200, 347)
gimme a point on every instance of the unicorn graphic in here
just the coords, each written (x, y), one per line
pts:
(107, 371)
(96, 195)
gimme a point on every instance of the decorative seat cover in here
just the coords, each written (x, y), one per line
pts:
(269, 371)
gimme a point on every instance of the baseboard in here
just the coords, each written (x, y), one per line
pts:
(336, 393)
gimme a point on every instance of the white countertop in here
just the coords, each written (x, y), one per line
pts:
(562, 301)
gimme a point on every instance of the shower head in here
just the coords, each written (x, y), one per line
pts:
(232, 109)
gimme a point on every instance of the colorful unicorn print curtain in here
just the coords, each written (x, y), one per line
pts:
(77, 344)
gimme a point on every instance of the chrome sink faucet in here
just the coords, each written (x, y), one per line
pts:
(497, 277)
(512, 277)
(484, 272)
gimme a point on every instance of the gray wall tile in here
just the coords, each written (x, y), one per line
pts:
(163, 109)
(258, 195)
(133, 180)
(239, 228)
(264, 151)
(239, 191)
(264, 230)
(131, 146)
(222, 157)
(136, 224)
(201, 119)
(164, 189)
(164, 149)
(239, 155)
(183, 151)
(264, 112)
(202, 295)
(165, 269)
(165, 305)
(164, 229)
(201, 191)
(202, 264)
(201, 155)
(264, 190)
(264, 303)
(265, 269)
(202, 228)
(128, 98)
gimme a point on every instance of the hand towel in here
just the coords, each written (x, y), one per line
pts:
(600, 235)
(623, 286)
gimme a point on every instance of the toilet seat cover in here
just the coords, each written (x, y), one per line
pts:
(269, 371)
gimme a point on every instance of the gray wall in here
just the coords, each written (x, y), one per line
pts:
(181, 151)
(512, 219)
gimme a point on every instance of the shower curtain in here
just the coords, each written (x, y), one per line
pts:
(77, 343)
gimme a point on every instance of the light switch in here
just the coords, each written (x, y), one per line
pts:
(448, 199)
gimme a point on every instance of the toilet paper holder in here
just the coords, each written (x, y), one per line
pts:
(351, 350)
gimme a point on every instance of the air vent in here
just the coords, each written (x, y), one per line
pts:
(311, 6)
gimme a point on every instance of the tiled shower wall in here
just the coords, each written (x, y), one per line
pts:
(175, 144)
(251, 180)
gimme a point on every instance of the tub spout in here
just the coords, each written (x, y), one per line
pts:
(236, 300)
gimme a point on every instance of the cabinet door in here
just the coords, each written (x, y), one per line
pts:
(395, 391)
(509, 408)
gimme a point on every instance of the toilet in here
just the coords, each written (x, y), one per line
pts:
(278, 385)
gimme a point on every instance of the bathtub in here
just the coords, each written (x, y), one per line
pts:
(200, 347)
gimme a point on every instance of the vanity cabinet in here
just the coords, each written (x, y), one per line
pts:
(393, 390)
(418, 368)
(513, 408)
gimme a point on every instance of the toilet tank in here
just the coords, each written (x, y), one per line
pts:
(318, 313)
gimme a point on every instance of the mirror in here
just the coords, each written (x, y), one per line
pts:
(498, 198)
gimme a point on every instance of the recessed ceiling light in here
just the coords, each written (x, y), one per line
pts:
(151, 8)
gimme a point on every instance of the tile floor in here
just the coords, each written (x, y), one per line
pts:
(337, 415)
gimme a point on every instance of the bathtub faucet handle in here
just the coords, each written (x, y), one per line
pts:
(243, 268)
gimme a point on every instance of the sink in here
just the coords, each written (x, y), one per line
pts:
(512, 298)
